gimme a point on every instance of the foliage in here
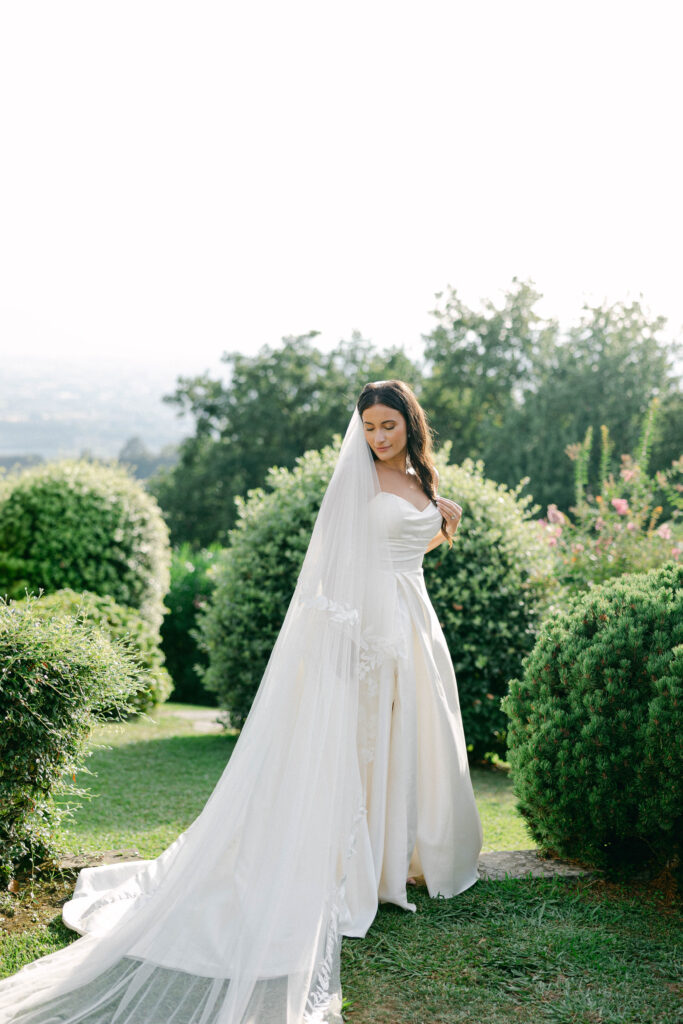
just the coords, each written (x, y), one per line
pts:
(87, 526)
(275, 405)
(120, 623)
(57, 676)
(478, 364)
(256, 577)
(606, 369)
(192, 582)
(618, 530)
(596, 727)
(506, 385)
(141, 462)
(487, 591)
(490, 592)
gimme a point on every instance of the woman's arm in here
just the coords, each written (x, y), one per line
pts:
(435, 541)
(451, 512)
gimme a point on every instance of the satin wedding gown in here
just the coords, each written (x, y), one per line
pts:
(422, 815)
(172, 940)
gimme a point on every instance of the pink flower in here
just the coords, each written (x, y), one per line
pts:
(554, 514)
(664, 531)
(599, 523)
(578, 546)
(675, 552)
(630, 525)
(552, 541)
(628, 474)
(660, 478)
(621, 505)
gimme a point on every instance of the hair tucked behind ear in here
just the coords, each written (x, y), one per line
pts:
(397, 395)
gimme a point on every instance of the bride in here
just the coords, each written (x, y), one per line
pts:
(348, 781)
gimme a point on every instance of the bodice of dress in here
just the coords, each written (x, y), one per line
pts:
(409, 529)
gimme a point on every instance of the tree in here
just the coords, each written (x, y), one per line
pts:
(274, 406)
(606, 371)
(141, 462)
(506, 386)
(480, 365)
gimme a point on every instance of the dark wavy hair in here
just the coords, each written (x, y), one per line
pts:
(397, 395)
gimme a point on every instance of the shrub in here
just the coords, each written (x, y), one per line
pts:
(192, 582)
(86, 526)
(256, 577)
(488, 591)
(120, 623)
(57, 677)
(617, 529)
(596, 730)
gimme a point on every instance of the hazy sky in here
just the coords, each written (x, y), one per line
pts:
(183, 178)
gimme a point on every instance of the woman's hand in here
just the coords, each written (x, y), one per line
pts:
(451, 512)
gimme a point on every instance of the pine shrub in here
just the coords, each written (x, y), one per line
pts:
(87, 526)
(595, 725)
(58, 676)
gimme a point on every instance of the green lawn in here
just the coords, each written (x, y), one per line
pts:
(528, 950)
(128, 808)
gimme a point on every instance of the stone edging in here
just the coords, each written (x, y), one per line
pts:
(497, 865)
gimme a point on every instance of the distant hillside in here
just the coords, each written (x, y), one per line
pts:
(53, 409)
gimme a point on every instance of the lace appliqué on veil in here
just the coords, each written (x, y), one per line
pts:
(337, 612)
(374, 650)
(322, 1006)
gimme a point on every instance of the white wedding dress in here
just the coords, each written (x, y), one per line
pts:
(239, 921)
(421, 813)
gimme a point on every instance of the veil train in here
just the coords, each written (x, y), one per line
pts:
(240, 919)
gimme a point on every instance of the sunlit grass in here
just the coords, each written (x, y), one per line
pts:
(569, 951)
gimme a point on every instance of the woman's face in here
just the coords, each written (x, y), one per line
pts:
(385, 431)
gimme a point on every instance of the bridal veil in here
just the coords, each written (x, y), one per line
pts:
(239, 921)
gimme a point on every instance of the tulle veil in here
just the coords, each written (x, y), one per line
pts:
(240, 919)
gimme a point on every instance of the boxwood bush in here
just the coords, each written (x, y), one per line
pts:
(120, 623)
(596, 726)
(57, 677)
(87, 526)
(488, 591)
(192, 581)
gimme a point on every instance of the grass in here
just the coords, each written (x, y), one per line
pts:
(127, 809)
(527, 950)
(152, 776)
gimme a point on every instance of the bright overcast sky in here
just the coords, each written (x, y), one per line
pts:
(179, 179)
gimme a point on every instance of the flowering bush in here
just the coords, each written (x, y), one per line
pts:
(618, 529)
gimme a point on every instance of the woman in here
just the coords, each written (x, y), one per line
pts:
(349, 774)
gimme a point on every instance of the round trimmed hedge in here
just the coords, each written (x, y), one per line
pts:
(488, 591)
(596, 725)
(87, 526)
(120, 623)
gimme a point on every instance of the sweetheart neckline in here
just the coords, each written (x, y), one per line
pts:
(401, 498)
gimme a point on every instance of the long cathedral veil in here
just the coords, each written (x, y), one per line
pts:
(239, 921)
